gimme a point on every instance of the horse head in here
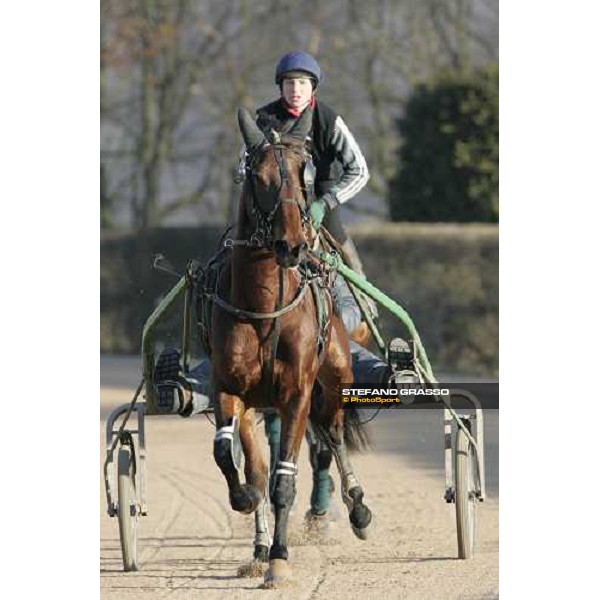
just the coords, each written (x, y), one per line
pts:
(277, 198)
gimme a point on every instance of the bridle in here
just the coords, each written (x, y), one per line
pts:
(262, 236)
(261, 218)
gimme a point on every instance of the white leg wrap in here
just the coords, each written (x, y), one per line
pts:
(350, 481)
(224, 433)
(286, 468)
(231, 432)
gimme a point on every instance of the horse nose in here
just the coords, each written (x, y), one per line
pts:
(287, 256)
(281, 248)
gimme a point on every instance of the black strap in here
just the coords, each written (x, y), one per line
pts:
(323, 317)
(275, 331)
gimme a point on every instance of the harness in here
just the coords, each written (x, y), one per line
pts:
(261, 219)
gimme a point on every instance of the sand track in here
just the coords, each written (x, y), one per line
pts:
(191, 544)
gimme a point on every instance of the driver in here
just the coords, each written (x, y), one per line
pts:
(332, 145)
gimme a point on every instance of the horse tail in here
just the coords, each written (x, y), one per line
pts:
(356, 434)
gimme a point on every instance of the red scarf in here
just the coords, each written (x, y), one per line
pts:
(294, 111)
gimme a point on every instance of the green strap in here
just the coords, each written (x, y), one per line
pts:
(370, 290)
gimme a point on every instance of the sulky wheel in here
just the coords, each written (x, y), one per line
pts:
(466, 500)
(127, 508)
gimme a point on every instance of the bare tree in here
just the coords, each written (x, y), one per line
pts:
(173, 73)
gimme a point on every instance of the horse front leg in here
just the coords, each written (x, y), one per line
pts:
(294, 414)
(227, 451)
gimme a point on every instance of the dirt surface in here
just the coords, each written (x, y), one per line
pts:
(192, 544)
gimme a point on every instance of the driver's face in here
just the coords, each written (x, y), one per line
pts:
(297, 91)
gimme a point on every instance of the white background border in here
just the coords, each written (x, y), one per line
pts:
(550, 163)
(50, 299)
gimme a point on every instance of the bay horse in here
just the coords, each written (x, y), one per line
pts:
(269, 348)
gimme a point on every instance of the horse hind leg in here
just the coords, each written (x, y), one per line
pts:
(262, 540)
(257, 475)
(328, 420)
(352, 493)
(322, 487)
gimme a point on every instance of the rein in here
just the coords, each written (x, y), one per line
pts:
(275, 331)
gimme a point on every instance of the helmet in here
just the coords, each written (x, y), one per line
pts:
(298, 61)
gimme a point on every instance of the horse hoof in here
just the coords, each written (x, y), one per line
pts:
(254, 568)
(245, 499)
(261, 553)
(361, 534)
(278, 574)
(360, 520)
(317, 524)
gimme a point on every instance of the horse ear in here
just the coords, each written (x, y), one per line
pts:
(274, 137)
(253, 136)
(303, 125)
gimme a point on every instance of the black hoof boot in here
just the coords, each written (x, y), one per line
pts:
(261, 553)
(360, 515)
(245, 499)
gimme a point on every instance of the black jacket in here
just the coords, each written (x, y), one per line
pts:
(341, 169)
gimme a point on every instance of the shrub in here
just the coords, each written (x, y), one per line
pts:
(448, 159)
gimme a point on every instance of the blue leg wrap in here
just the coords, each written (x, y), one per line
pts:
(321, 492)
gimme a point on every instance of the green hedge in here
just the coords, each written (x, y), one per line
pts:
(448, 159)
(130, 288)
(446, 276)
